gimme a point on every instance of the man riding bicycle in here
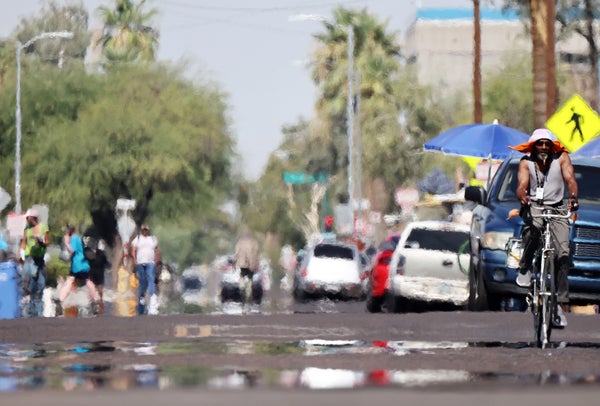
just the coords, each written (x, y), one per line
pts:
(542, 175)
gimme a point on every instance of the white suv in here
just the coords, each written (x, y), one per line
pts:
(430, 264)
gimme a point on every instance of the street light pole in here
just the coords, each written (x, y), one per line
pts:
(350, 117)
(19, 49)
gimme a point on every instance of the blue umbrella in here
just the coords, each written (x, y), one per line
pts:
(590, 149)
(489, 141)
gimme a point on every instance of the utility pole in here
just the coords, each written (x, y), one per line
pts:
(477, 109)
(551, 87)
(358, 144)
(350, 116)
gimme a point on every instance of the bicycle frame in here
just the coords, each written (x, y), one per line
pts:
(543, 297)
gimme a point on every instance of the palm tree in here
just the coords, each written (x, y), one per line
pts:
(376, 57)
(127, 35)
(579, 17)
(477, 110)
(542, 17)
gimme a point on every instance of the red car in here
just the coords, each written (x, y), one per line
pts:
(379, 276)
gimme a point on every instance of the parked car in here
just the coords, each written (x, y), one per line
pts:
(377, 286)
(490, 280)
(429, 265)
(332, 269)
(191, 283)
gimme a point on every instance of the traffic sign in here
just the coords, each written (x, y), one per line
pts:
(575, 123)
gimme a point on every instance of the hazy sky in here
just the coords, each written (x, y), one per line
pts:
(251, 49)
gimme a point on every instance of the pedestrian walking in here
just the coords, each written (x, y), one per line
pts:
(144, 252)
(94, 251)
(31, 255)
(80, 268)
(247, 257)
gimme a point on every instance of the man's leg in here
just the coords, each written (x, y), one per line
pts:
(140, 271)
(66, 288)
(151, 280)
(531, 240)
(245, 285)
(560, 235)
(37, 293)
(562, 281)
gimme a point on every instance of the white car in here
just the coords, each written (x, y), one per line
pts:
(191, 283)
(430, 264)
(330, 268)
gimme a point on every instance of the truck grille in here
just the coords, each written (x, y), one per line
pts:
(587, 233)
(586, 242)
(586, 250)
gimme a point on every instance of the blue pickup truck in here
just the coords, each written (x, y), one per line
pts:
(490, 281)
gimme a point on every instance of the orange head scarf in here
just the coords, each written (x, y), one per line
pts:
(540, 134)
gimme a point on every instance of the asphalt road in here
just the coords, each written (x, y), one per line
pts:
(490, 351)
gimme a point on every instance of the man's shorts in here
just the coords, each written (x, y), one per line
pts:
(97, 276)
(81, 278)
(246, 272)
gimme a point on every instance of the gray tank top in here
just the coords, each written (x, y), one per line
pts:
(553, 182)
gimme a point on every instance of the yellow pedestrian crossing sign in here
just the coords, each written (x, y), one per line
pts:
(575, 123)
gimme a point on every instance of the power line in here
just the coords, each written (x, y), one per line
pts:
(196, 6)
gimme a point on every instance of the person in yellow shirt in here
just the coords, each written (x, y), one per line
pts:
(31, 254)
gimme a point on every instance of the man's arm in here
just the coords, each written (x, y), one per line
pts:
(45, 238)
(133, 246)
(523, 182)
(23, 241)
(568, 174)
(22, 247)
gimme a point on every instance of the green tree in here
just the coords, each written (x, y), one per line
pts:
(48, 94)
(505, 99)
(56, 17)
(376, 57)
(579, 17)
(127, 35)
(272, 205)
(166, 145)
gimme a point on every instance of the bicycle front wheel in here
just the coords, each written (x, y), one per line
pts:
(547, 303)
(536, 310)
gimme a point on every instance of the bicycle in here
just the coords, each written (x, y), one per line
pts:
(543, 287)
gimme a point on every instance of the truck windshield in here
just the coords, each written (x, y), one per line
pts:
(506, 193)
(586, 176)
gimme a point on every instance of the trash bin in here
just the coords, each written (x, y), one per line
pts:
(10, 290)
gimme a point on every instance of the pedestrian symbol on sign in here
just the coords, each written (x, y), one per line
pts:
(577, 119)
(574, 123)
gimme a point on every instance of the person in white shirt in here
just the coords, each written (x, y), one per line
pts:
(144, 252)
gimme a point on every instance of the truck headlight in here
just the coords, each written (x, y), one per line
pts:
(496, 240)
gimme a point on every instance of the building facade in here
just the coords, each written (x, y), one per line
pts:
(440, 42)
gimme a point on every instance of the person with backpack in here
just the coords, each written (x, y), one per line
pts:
(80, 268)
(31, 255)
(94, 252)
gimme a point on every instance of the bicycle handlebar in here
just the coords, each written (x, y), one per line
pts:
(550, 215)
